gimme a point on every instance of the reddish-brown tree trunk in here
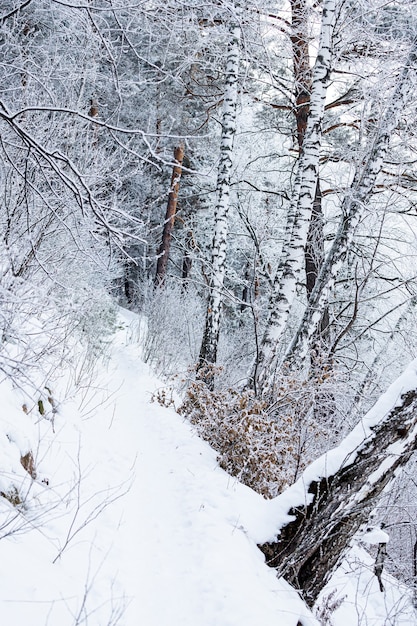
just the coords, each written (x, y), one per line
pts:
(301, 64)
(163, 252)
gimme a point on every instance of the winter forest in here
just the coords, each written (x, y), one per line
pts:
(238, 180)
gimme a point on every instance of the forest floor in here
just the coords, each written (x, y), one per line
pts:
(130, 521)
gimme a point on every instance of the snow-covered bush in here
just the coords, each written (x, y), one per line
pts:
(265, 442)
(175, 319)
(265, 445)
(250, 445)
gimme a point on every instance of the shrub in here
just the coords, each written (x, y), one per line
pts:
(263, 443)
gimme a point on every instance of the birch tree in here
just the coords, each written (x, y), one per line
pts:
(353, 209)
(208, 351)
(299, 217)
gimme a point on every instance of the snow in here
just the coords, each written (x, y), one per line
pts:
(363, 602)
(373, 535)
(131, 521)
(137, 523)
(342, 455)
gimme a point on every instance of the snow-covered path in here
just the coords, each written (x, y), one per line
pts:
(194, 562)
(131, 522)
(141, 527)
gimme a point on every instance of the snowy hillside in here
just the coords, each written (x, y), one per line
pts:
(129, 520)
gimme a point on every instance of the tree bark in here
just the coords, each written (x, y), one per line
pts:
(314, 248)
(187, 260)
(352, 210)
(314, 259)
(290, 268)
(336, 494)
(208, 351)
(301, 67)
(163, 252)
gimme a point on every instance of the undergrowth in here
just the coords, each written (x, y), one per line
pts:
(265, 444)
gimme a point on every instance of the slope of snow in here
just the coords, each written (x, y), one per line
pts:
(357, 599)
(137, 524)
(131, 522)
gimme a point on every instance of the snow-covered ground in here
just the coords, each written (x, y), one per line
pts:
(130, 522)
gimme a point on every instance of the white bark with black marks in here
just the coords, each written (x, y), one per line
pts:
(353, 209)
(208, 352)
(291, 266)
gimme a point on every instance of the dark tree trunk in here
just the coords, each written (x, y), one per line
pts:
(163, 252)
(311, 545)
(246, 291)
(187, 261)
(301, 66)
(379, 564)
(314, 258)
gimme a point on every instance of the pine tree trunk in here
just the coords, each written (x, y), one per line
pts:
(301, 67)
(163, 252)
(208, 351)
(336, 494)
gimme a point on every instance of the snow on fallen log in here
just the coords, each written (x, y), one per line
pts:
(311, 523)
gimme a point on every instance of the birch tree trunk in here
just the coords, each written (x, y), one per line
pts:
(290, 268)
(353, 209)
(208, 351)
(336, 494)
